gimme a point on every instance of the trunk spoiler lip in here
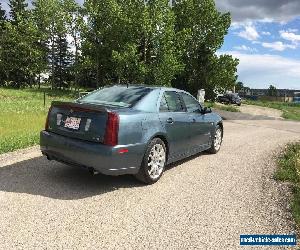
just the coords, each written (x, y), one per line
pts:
(80, 106)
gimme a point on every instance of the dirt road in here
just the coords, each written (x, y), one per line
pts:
(262, 111)
(205, 202)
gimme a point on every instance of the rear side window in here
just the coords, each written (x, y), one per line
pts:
(171, 102)
(190, 103)
(163, 104)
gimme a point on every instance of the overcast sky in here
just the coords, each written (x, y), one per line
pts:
(265, 36)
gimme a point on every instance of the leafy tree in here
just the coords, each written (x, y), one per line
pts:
(205, 28)
(221, 75)
(239, 86)
(135, 41)
(18, 10)
(97, 43)
(50, 18)
(272, 90)
(19, 48)
(160, 50)
(75, 25)
(21, 53)
(132, 41)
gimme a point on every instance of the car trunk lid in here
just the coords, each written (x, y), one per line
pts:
(77, 120)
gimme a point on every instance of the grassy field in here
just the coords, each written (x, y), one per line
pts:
(289, 170)
(23, 115)
(290, 110)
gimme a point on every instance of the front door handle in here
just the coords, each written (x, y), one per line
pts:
(192, 119)
(170, 120)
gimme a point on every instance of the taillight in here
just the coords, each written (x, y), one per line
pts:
(47, 119)
(112, 129)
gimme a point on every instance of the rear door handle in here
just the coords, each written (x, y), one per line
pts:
(170, 120)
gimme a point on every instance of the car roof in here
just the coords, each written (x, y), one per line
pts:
(147, 86)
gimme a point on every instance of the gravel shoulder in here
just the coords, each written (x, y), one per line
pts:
(205, 202)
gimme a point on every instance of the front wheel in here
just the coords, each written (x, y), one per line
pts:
(154, 161)
(217, 140)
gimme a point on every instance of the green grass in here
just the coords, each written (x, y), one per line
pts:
(289, 170)
(229, 108)
(291, 111)
(23, 115)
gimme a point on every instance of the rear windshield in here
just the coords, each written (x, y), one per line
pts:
(116, 96)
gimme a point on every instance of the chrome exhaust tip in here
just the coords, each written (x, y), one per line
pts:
(93, 172)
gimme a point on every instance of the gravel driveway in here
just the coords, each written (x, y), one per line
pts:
(205, 202)
(261, 111)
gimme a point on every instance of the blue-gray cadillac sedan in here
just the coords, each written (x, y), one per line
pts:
(134, 130)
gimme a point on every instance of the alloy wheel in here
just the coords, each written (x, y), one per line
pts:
(156, 161)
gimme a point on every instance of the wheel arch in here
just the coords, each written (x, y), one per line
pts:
(220, 123)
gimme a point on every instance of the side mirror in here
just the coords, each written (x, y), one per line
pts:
(206, 110)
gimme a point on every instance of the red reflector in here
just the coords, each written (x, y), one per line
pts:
(112, 129)
(123, 151)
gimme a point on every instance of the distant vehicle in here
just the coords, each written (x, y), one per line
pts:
(130, 130)
(297, 97)
(230, 98)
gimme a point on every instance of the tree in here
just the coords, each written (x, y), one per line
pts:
(97, 37)
(221, 75)
(205, 29)
(104, 42)
(272, 90)
(160, 52)
(21, 53)
(17, 10)
(50, 18)
(239, 86)
(75, 25)
(61, 62)
(2, 14)
(132, 41)
(19, 46)
(3, 22)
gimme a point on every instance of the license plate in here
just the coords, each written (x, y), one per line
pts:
(72, 122)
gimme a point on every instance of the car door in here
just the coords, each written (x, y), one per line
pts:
(200, 124)
(174, 118)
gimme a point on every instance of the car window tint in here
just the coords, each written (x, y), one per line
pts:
(163, 104)
(190, 103)
(116, 95)
(173, 101)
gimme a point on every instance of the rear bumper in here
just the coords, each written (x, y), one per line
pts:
(104, 159)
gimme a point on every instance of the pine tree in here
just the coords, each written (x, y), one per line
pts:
(62, 61)
(2, 14)
(2, 33)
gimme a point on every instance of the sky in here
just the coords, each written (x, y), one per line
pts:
(265, 37)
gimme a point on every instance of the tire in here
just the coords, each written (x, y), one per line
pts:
(154, 162)
(215, 146)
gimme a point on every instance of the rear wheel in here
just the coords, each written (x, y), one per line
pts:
(217, 140)
(153, 163)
